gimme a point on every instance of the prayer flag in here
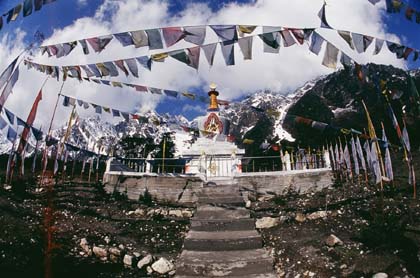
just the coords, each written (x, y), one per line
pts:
(159, 57)
(246, 29)
(4, 77)
(209, 52)
(367, 41)
(194, 57)
(99, 43)
(124, 38)
(10, 116)
(406, 139)
(103, 69)
(288, 39)
(354, 154)
(88, 72)
(29, 122)
(154, 39)
(316, 43)
(132, 66)
(347, 37)
(27, 8)
(3, 123)
(145, 61)
(9, 87)
(322, 16)
(271, 38)
(171, 93)
(155, 91)
(11, 134)
(140, 38)
(95, 70)
(388, 163)
(113, 71)
(360, 153)
(84, 46)
(378, 46)
(375, 163)
(330, 56)
(120, 65)
(345, 60)
(180, 55)
(20, 122)
(358, 41)
(115, 113)
(37, 133)
(245, 44)
(228, 52)
(172, 35)
(195, 35)
(225, 32)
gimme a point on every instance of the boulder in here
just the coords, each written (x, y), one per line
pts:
(317, 215)
(162, 266)
(267, 222)
(332, 241)
(145, 261)
(128, 260)
(380, 275)
(187, 213)
(100, 252)
(85, 245)
(300, 217)
(115, 251)
(176, 213)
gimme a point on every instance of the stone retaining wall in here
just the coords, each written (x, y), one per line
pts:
(171, 189)
(182, 189)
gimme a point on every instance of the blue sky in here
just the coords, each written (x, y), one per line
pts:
(64, 13)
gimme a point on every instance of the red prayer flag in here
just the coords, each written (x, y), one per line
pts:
(29, 123)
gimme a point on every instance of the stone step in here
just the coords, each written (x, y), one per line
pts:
(223, 225)
(224, 263)
(226, 199)
(222, 241)
(209, 212)
(264, 275)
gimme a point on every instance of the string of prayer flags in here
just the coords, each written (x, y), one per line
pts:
(396, 6)
(9, 87)
(26, 7)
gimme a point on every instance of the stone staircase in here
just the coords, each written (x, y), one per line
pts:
(222, 241)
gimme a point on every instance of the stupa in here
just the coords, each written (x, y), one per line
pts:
(212, 154)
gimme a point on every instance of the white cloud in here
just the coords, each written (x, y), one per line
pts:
(281, 72)
(82, 3)
(194, 108)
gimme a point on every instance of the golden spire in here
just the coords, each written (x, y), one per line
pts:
(213, 97)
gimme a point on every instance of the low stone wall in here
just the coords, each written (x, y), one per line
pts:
(172, 189)
(279, 183)
(182, 189)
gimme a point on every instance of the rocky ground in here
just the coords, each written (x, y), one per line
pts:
(346, 231)
(94, 235)
(349, 230)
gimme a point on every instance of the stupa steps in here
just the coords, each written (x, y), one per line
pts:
(222, 241)
(209, 212)
(222, 225)
(225, 263)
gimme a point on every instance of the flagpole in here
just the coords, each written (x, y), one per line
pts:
(45, 155)
(372, 133)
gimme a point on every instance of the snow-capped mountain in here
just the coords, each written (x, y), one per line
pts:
(333, 99)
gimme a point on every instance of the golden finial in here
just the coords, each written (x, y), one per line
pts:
(213, 87)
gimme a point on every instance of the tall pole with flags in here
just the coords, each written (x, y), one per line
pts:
(372, 135)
